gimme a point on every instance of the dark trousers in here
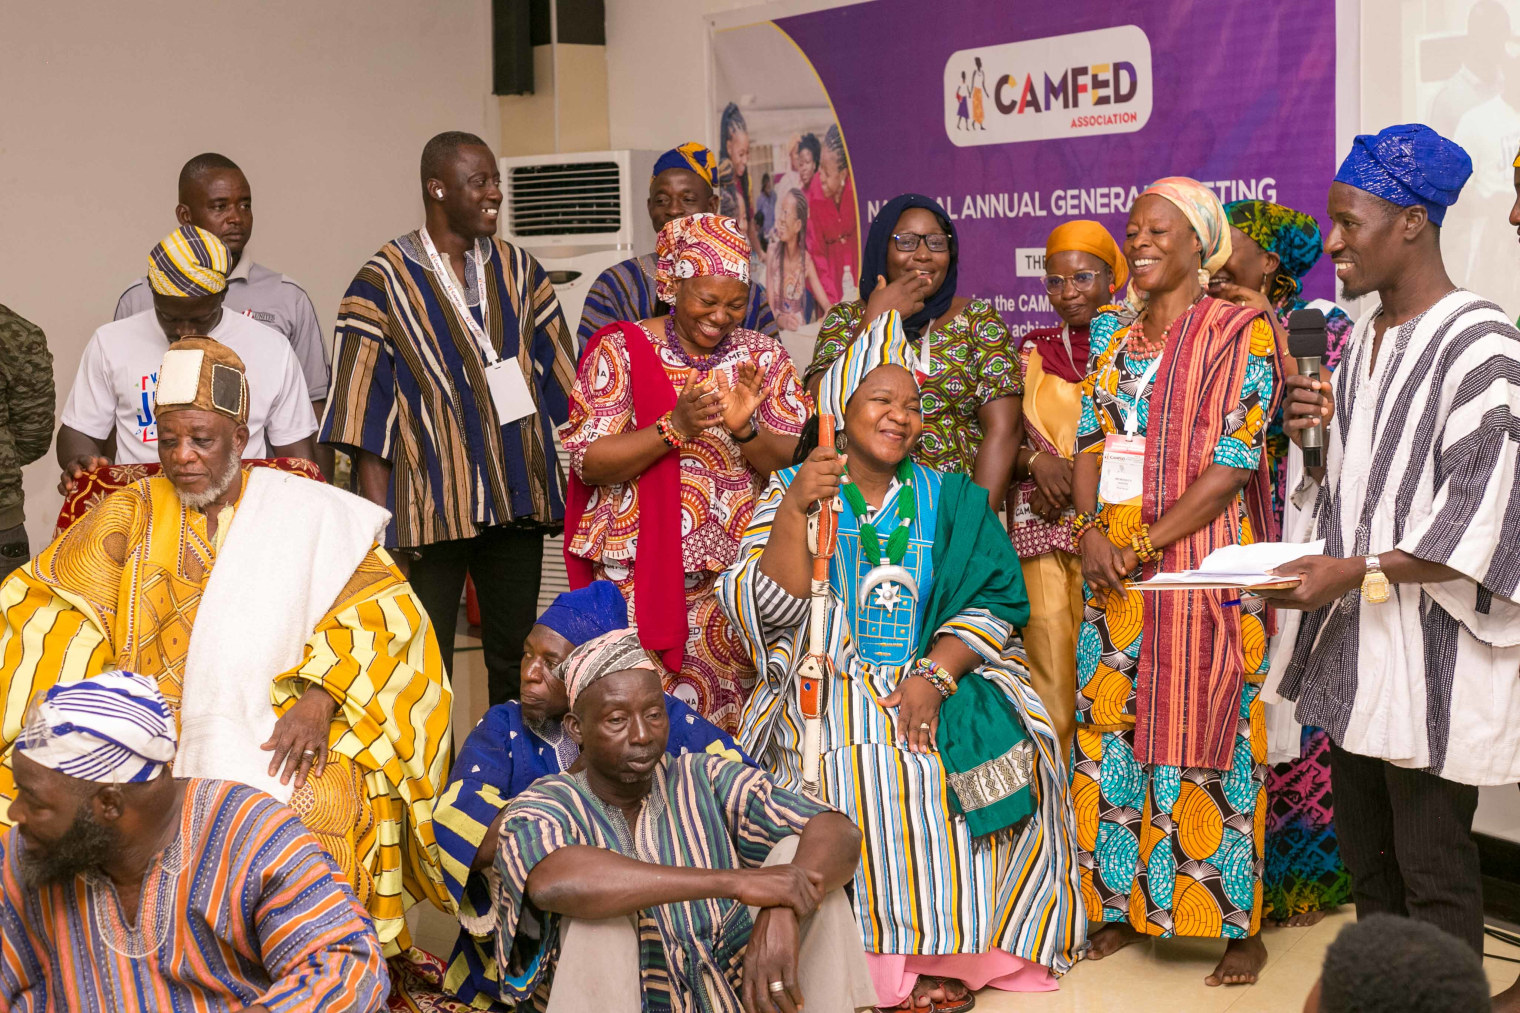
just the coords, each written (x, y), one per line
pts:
(1406, 837)
(505, 564)
(15, 551)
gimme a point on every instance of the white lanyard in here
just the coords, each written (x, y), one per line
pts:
(479, 331)
(1132, 413)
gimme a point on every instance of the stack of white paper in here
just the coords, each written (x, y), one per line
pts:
(1237, 567)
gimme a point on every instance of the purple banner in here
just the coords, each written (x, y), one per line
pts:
(1019, 117)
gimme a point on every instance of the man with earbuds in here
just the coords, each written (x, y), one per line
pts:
(453, 370)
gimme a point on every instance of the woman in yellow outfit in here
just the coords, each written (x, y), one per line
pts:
(1083, 269)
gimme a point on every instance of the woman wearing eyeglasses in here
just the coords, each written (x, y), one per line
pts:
(972, 397)
(1083, 269)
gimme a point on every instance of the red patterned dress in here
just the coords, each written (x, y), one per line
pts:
(718, 489)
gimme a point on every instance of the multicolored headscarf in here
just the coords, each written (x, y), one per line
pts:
(189, 262)
(113, 729)
(1089, 237)
(618, 651)
(699, 246)
(1292, 235)
(1408, 164)
(884, 344)
(692, 156)
(1201, 207)
(587, 613)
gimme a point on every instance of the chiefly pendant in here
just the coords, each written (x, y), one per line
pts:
(893, 586)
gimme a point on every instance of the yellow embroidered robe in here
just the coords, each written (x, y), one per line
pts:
(119, 590)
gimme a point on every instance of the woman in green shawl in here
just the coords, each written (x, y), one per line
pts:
(933, 738)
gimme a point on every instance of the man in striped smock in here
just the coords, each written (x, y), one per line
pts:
(123, 888)
(1405, 641)
(623, 886)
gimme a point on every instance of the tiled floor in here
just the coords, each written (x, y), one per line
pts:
(1168, 975)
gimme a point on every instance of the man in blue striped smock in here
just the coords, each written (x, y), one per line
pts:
(646, 882)
(682, 185)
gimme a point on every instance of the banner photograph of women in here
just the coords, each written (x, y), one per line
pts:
(784, 173)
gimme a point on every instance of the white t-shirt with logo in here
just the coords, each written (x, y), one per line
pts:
(119, 374)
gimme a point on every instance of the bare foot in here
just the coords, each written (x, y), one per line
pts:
(1303, 921)
(1242, 961)
(1508, 1001)
(920, 1001)
(1110, 939)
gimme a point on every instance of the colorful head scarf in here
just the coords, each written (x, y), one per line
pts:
(618, 651)
(1203, 211)
(884, 344)
(113, 729)
(587, 613)
(1292, 235)
(189, 262)
(1406, 165)
(699, 246)
(1089, 237)
(203, 374)
(691, 156)
(879, 241)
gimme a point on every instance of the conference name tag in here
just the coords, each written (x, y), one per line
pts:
(509, 391)
(1123, 476)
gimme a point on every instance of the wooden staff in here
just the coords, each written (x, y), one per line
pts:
(817, 665)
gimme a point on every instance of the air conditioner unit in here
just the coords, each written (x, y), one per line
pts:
(578, 214)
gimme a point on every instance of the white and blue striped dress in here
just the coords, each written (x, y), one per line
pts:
(923, 886)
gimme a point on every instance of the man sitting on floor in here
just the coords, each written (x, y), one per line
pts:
(514, 745)
(295, 656)
(630, 877)
(127, 889)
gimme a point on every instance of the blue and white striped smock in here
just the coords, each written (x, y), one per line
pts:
(922, 887)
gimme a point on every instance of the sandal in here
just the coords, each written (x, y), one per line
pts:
(955, 1005)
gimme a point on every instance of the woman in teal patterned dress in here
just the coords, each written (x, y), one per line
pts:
(1273, 248)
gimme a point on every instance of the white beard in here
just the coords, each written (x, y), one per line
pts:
(201, 500)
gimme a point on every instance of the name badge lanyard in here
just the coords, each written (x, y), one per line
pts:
(481, 330)
(1132, 413)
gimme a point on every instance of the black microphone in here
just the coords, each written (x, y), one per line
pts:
(1306, 343)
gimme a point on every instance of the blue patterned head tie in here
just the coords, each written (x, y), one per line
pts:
(1406, 165)
(884, 344)
(691, 156)
(1292, 235)
(587, 613)
(113, 729)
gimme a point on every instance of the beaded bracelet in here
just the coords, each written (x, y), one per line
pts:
(938, 676)
(1140, 542)
(667, 430)
(1082, 523)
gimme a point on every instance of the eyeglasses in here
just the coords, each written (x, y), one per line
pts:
(1082, 281)
(907, 242)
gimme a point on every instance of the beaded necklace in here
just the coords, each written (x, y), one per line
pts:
(907, 510)
(1137, 347)
(702, 365)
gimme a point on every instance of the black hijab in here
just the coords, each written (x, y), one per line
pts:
(879, 240)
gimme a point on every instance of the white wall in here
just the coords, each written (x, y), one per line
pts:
(325, 105)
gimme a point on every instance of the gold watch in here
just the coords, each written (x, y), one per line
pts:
(1375, 583)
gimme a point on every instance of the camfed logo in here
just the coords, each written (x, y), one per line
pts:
(1075, 85)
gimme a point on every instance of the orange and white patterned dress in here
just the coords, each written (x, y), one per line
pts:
(718, 490)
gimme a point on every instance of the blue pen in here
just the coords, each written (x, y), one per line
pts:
(1232, 603)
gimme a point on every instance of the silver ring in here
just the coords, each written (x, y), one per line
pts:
(925, 726)
(777, 987)
(308, 754)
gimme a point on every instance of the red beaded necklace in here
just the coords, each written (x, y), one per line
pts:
(1139, 347)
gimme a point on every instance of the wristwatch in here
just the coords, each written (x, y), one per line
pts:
(1375, 583)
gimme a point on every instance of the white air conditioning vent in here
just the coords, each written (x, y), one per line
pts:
(571, 199)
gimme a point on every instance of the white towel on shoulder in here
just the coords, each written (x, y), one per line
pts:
(292, 547)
